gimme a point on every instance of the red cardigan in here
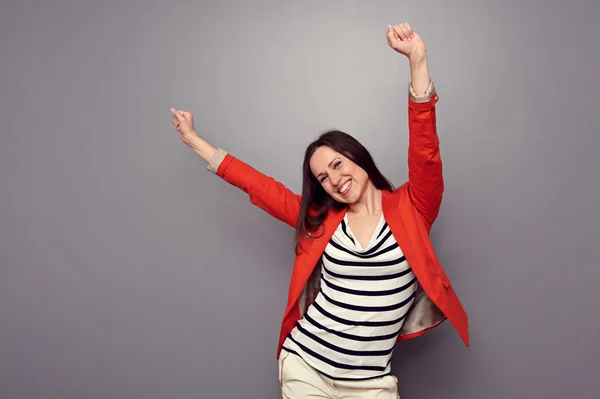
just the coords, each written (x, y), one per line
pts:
(410, 210)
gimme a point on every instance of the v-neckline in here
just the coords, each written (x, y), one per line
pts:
(357, 244)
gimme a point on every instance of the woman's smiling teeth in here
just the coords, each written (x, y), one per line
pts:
(345, 188)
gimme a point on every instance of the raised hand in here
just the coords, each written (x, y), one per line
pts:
(183, 122)
(404, 40)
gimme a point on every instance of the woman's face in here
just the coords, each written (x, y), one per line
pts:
(341, 178)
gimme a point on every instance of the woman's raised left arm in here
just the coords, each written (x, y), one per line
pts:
(425, 178)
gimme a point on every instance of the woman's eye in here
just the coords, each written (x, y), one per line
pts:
(323, 179)
(337, 164)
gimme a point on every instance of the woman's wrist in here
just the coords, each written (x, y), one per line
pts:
(419, 73)
(417, 57)
(201, 147)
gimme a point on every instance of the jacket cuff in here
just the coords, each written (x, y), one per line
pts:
(425, 97)
(215, 161)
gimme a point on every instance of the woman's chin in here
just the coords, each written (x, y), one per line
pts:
(345, 199)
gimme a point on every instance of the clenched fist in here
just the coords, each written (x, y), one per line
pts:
(404, 40)
(183, 122)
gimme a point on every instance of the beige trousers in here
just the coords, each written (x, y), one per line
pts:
(298, 380)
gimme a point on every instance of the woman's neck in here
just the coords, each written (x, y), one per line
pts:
(369, 203)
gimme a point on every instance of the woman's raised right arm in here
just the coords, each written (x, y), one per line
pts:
(263, 191)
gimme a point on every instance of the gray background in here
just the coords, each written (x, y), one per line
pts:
(128, 271)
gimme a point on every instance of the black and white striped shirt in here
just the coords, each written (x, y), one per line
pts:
(350, 330)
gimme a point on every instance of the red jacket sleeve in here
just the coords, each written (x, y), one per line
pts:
(264, 191)
(425, 180)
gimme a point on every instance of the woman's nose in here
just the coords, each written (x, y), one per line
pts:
(337, 178)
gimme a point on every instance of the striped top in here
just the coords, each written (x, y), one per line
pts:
(350, 329)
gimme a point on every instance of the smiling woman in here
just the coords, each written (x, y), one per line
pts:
(365, 274)
(339, 171)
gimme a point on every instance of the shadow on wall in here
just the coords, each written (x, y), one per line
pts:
(412, 359)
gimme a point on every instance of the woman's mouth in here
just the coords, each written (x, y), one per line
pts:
(345, 187)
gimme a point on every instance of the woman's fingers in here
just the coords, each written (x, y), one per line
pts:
(402, 32)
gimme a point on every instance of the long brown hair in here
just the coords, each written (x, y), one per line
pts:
(316, 202)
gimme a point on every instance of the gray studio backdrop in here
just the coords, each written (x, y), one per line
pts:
(129, 271)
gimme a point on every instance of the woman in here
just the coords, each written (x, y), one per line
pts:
(365, 274)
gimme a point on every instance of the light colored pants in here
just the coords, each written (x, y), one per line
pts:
(298, 380)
